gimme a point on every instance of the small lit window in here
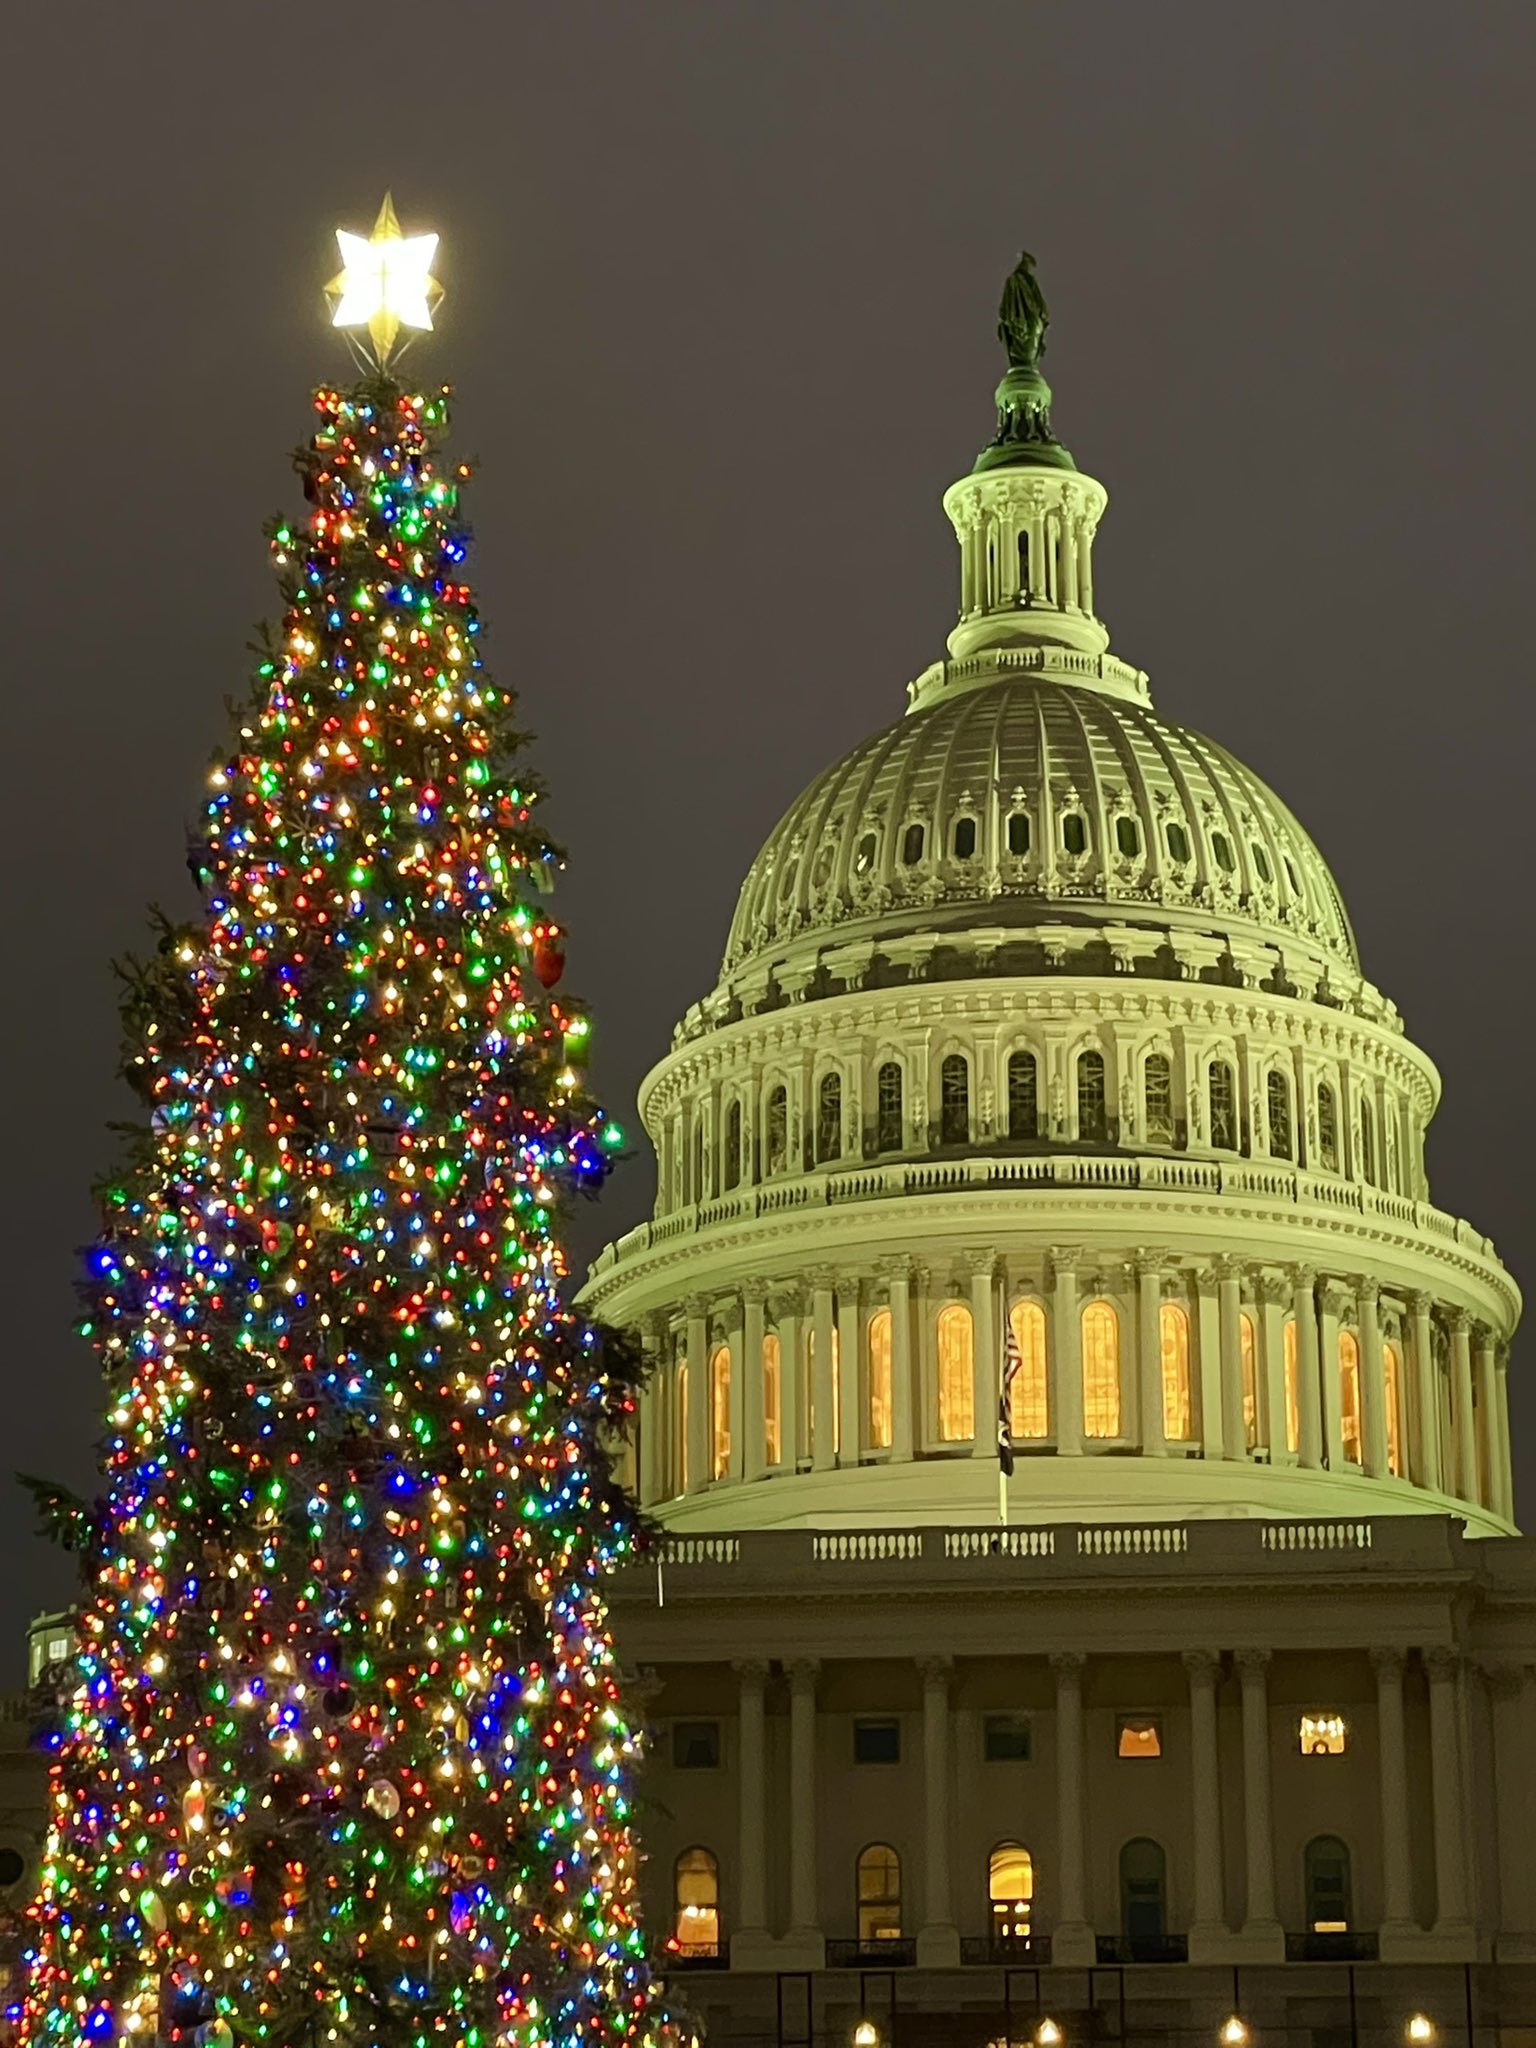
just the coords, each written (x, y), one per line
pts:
(965, 838)
(1221, 846)
(864, 859)
(1323, 1734)
(1261, 862)
(1005, 1738)
(1138, 1735)
(1074, 833)
(1127, 837)
(912, 846)
(1178, 842)
(696, 1745)
(877, 1742)
(1018, 833)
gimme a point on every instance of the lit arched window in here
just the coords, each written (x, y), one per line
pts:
(1367, 1142)
(1349, 1393)
(957, 1365)
(682, 1425)
(1292, 1388)
(773, 1398)
(1101, 1370)
(877, 1881)
(1143, 1891)
(1278, 1102)
(1011, 1890)
(777, 1140)
(1178, 1409)
(954, 1100)
(1248, 1338)
(1092, 1116)
(720, 1411)
(1328, 1126)
(1023, 1096)
(880, 1380)
(733, 1145)
(1157, 1098)
(829, 1118)
(1325, 1867)
(1029, 1403)
(696, 1897)
(888, 1107)
(1223, 1094)
(1392, 1374)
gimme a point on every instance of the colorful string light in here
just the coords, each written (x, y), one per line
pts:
(344, 1759)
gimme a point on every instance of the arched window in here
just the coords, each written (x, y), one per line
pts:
(1367, 1142)
(1178, 1409)
(1143, 1892)
(1018, 834)
(1029, 1399)
(964, 841)
(1010, 1891)
(1023, 1096)
(1092, 1118)
(1101, 1370)
(877, 1883)
(879, 1341)
(733, 1145)
(954, 1100)
(773, 1398)
(1157, 1098)
(912, 846)
(1074, 833)
(1292, 1388)
(957, 1367)
(1349, 1393)
(720, 1411)
(1392, 1375)
(829, 1118)
(1221, 846)
(682, 1425)
(1248, 1343)
(864, 859)
(888, 1134)
(1325, 1870)
(777, 1135)
(1278, 1103)
(1327, 1126)
(696, 1898)
(1223, 1094)
(1178, 841)
(1127, 837)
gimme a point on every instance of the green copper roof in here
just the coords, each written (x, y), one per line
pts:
(1023, 437)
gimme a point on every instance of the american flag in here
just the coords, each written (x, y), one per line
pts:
(1011, 1364)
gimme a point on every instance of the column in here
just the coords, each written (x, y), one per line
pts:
(1451, 1915)
(1149, 1352)
(1229, 1292)
(1308, 1380)
(1209, 1926)
(803, 1928)
(1373, 1380)
(986, 1350)
(790, 1313)
(851, 1407)
(754, 1454)
(752, 1787)
(1462, 1422)
(1072, 1941)
(1332, 1302)
(1424, 1461)
(938, 1940)
(1206, 1325)
(1504, 1489)
(1065, 1349)
(822, 1396)
(652, 1422)
(699, 1446)
(1513, 1699)
(1487, 1416)
(1274, 1293)
(1261, 1926)
(1395, 1794)
(897, 1273)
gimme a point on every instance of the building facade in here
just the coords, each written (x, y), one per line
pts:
(1041, 1035)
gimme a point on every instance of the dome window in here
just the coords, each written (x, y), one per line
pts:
(1173, 1345)
(1178, 840)
(1128, 837)
(1349, 1395)
(1367, 1143)
(1023, 1096)
(888, 1133)
(829, 1119)
(864, 859)
(732, 1173)
(1100, 1336)
(1157, 1098)
(1223, 1104)
(878, 1340)
(1295, 879)
(955, 1100)
(1074, 833)
(912, 845)
(1278, 1104)
(1092, 1114)
(965, 838)
(821, 873)
(1327, 1126)
(1018, 833)
(1261, 863)
(957, 1373)
(1221, 846)
(777, 1130)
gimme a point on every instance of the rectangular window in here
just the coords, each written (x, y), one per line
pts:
(1005, 1738)
(1138, 1735)
(1323, 1734)
(877, 1742)
(696, 1745)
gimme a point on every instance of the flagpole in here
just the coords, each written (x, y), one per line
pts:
(1002, 1495)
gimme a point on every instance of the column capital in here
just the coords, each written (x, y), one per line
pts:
(1419, 1302)
(937, 1672)
(1202, 1666)
(1386, 1661)
(751, 1670)
(981, 1259)
(1367, 1291)
(754, 1290)
(696, 1308)
(1442, 1662)
(653, 1327)
(894, 1266)
(1302, 1275)
(1336, 1298)
(1149, 1263)
(1253, 1664)
(1459, 1320)
(1062, 1260)
(821, 1278)
(1231, 1268)
(1068, 1663)
(803, 1673)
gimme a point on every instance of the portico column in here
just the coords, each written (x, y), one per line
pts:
(898, 1278)
(986, 1353)
(1206, 1316)
(1487, 1416)
(1065, 1335)
(1504, 1488)
(752, 1762)
(1462, 1421)
(1392, 1761)
(822, 1397)
(803, 1928)
(653, 1432)
(1373, 1380)
(754, 1456)
(1274, 1292)
(1149, 1352)
(1451, 1913)
(938, 1941)
(736, 1390)
(698, 1393)
(1425, 1457)
(1261, 1926)
(1229, 1287)
(850, 1379)
(1308, 1377)
(1072, 1941)
(1332, 1302)
(789, 1312)
(1209, 1927)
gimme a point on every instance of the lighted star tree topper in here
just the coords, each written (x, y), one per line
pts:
(345, 1759)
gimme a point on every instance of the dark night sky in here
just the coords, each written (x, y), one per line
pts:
(721, 286)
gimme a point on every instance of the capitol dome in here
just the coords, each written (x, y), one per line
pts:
(1042, 1120)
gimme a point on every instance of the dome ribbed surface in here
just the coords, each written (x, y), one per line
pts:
(1126, 819)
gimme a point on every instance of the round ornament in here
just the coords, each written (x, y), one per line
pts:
(383, 1798)
(339, 1700)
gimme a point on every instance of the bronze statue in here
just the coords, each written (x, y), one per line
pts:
(1023, 398)
(1023, 317)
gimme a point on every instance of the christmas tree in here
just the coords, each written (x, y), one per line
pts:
(344, 1758)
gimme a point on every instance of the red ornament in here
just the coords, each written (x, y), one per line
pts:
(548, 954)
